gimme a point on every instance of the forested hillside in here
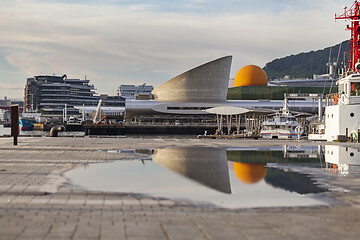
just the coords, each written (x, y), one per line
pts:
(304, 65)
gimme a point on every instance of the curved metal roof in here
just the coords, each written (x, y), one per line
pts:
(206, 83)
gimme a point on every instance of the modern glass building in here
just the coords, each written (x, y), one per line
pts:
(50, 94)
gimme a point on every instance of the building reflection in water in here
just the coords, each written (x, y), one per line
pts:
(209, 166)
(226, 177)
(342, 160)
(251, 165)
(250, 173)
(205, 165)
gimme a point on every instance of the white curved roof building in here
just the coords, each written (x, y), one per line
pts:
(206, 83)
(201, 88)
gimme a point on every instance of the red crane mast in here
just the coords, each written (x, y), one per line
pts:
(353, 14)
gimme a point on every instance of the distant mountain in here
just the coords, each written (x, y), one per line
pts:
(304, 65)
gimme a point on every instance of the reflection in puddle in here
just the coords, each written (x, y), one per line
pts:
(292, 181)
(342, 160)
(207, 166)
(250, 173)
(232, 178)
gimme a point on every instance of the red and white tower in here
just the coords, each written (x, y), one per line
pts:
(353, 15)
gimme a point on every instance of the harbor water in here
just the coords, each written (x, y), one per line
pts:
(6, 131)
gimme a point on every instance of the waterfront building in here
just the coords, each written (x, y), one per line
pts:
(275, 89)
(246, 93)
(185, 99)
(19, 102)
(130, 91)
(5, 103)
(319, 81)
(112, 101)
(50, 95)
(245, 88)
(53, 95)
(186, 94)
(4, 115)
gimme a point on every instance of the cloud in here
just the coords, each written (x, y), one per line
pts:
(116, 42)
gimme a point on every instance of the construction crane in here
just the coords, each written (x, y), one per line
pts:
(142, 87)
(353, 15)
(97, 117)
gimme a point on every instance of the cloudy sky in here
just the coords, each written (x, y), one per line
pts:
(116, 42)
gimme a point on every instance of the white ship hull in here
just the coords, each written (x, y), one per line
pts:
(278, 134)
(341, 120)
(344, 117)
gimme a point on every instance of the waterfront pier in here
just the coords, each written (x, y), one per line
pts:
(38, 202)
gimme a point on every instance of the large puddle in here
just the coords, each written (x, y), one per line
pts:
(222, 177)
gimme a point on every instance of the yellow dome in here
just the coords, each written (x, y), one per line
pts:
(250, 172)
(251, 75)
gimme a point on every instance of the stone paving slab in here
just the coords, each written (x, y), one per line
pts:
(36, 202)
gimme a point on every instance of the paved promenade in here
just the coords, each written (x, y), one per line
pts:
(36, 201)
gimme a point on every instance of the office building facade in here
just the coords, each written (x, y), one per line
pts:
(50, 95)
(130, 91)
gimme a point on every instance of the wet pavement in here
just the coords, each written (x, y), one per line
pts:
(38, 202)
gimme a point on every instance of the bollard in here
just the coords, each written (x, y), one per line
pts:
(14, 122)
(55, 129)
(346, 135)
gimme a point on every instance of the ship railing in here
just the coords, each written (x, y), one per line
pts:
(356, 127)
(331, 99)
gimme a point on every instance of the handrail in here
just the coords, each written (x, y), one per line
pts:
(356, 126)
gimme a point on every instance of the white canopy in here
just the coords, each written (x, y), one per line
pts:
(227, 110)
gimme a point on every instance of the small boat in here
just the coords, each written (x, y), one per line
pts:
(26, 124)
(281, 125)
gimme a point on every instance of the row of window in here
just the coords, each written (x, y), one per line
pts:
(278, 127)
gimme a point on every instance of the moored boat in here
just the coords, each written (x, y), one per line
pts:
(281, 125)
(343, 110)
(26, 124)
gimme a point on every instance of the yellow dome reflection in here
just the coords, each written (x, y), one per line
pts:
(250, 173)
